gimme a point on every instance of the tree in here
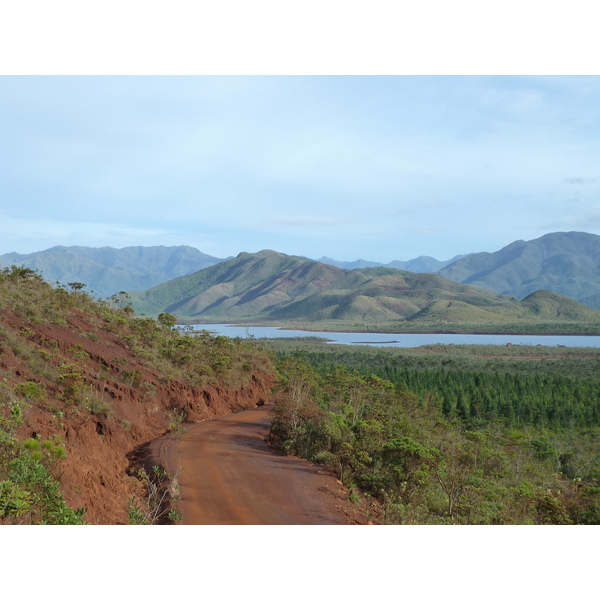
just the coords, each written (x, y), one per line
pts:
(409, 464)
(167, 320)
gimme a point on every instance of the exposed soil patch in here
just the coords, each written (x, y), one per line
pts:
(94, 475)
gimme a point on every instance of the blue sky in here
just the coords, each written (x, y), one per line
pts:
(375, 167)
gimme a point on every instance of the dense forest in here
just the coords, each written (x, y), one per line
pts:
(449, 435)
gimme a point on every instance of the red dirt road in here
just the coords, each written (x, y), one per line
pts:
(230, 476)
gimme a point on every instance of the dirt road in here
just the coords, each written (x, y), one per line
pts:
(230, 476)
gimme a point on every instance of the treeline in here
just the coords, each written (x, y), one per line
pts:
(518, 327)
(519, 399)
(555, 393)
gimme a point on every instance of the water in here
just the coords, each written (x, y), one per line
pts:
(405, 340)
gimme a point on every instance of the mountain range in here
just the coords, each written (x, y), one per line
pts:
(565, 262)
(272, 286)
(107, 271)
(422, 264)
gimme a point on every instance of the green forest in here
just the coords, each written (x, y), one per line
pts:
(444, 434)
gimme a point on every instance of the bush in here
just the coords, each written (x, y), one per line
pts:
(31, 390)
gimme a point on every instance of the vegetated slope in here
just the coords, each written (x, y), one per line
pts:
(566, 262)
(246, 286)
(269, 286)
(81, 378)
(108, 271)
(440, 435)
(421, 264)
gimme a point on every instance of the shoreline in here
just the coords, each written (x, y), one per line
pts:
(420, 332)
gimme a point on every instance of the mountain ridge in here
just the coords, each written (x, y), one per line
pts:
(567, 263)
(268, 286)
(421, 264)
(108, 270)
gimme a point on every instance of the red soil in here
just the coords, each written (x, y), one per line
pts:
(229, 475)
(96, 475)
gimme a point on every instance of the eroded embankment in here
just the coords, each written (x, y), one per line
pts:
(102, 399)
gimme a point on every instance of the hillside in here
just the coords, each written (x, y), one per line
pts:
(566, 263)
(269, 286)
(272, 285)
(84, 387)
(107, 271)
(248, 285)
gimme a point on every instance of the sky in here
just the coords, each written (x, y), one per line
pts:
(375, 167)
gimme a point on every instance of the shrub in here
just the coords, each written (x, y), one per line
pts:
(31, 390)
(97, 405)
(161, 491)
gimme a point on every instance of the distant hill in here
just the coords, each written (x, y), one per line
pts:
(422, 264)
(269, 286)
(566, 263)
(107, 270)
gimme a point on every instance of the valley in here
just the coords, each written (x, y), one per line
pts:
(102, 401)
(100, 408)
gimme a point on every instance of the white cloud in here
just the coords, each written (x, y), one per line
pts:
(579, 180)
(584, 221)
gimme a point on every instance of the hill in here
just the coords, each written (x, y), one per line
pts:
(107, 270)
(567, 263)
(84, 387)
(272, 287)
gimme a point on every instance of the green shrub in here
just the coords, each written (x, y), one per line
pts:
(31, 390)
(97, 405)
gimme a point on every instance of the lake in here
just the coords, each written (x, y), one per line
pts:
(405, 340)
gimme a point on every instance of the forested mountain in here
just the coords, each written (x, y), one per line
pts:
(422, 264)
(108, 270)
(273, 286)
(567, 263)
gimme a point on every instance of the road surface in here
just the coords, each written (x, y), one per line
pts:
(229, 475)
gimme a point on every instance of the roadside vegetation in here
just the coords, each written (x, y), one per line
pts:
(28, 491)
(442, 434)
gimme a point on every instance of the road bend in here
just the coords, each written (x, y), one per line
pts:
(229, 475)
